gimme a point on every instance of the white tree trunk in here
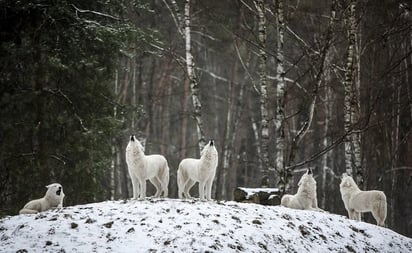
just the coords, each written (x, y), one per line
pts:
(357, 110)
(349, 95)
(113, 172)
(352, 137)
(264, 125)
(280, 97)
(194, 82)
(328, 105)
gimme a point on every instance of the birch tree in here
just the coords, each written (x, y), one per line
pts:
(352, 137)
(190, 64)
(264, 125)
(280, 97)
(194, 81)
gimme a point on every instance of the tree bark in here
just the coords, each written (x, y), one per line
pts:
(183, 128)
(114, 165)
(194, 81)
(264, 124)
(280, 99)
(352, 137)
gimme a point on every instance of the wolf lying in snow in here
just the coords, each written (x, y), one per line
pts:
(52, 199)
(200, 170)
(305, 198)
(143, 167)
(357, 201)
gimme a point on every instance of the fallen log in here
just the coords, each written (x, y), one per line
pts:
(263, 196)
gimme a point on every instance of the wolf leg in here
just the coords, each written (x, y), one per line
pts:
(208, 187)
(202, 195)
(164, 180)
(188, 185)
(158, 185)
(142, 189)
(180, 183)
(351, 214)
(28, 211)
(135, 185)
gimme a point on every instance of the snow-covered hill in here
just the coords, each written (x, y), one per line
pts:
(170, 225)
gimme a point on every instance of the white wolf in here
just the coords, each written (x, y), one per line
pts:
(201, 170)
(52, 199)
(357, 201)
(305, 198)
(146, 167)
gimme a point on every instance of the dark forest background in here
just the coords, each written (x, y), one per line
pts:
(78, 77)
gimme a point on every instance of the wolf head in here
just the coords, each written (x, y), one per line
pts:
(134, 145)
(209, 151)
(347, 182)
(55, 194)
(307, 178)
(55, 189)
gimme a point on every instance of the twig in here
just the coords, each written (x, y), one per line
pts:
(245, 68)
(95, 12)
(397, 169)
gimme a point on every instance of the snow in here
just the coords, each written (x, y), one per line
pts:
(171, 225)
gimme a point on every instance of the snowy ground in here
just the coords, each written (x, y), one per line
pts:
(192, 226)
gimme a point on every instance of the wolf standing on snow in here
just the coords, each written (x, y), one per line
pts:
(305, 198)
(201, 170)
(143, 167)
(357, 201)
(52, 199)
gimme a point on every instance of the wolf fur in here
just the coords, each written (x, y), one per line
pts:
(201, 170)
(357, 201)
(146, 167)
(52, 199)
(305, 198)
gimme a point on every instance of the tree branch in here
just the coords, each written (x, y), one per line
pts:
(94, 12)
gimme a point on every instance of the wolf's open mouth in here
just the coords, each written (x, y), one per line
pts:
(58, 192)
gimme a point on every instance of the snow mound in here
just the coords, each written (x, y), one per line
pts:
(170, 225)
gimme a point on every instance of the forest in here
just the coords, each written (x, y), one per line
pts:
(279, 85)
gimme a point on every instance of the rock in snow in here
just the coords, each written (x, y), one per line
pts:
(170, 225)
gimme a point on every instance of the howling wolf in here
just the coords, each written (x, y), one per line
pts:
(357, 201)
(305, 198)
(200, 170)
(52, 199)
(143, 167)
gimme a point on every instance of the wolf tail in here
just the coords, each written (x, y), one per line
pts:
(382, 209)
(180, 181)
(165, 179)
